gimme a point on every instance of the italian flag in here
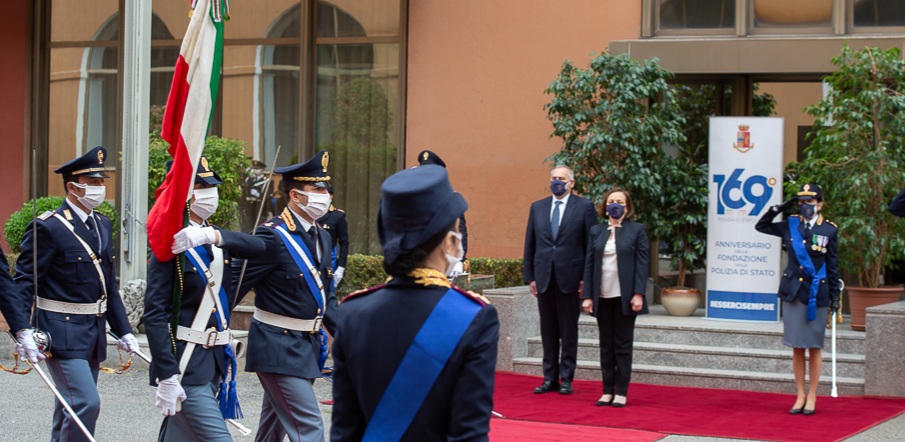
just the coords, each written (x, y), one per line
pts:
(186, 120)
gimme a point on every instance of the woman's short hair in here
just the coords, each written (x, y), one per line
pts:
(629, 206)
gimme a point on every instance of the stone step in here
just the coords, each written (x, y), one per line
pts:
(726, 358)
(702, 377)
(701, 332)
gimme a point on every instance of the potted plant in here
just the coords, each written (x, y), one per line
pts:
(856, 156)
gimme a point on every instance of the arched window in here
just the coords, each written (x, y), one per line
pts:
(278, 85)
(99, 93)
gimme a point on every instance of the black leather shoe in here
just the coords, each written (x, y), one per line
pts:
(546, 387)
(807, 412)
(796, 410)
(566, 387)
(602, 403)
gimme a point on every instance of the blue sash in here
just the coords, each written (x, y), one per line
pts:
(313, 285)
(228, 398)
(805, 261)
(421, 366)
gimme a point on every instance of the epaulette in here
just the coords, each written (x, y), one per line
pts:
(340, 210)
(832, 223)
(101, 215)
(45, 215)
(288, 219)
(273, 223)
(476, 297)
(361, 293)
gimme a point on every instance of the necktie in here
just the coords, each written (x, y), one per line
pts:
(92, 227)
(807, 231)
(554, 220)
(312, 235)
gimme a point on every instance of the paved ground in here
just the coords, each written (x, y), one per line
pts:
(128, 413)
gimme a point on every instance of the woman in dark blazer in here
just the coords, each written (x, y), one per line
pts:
(615, 276)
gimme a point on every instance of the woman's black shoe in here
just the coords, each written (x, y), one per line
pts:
(603, 403)
(807, 412)
(796, 410)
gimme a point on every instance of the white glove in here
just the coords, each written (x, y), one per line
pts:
(27, 347)
(194, 236)
(457, 270)
(255, 193)
(169, 392)
(128, 343)
(338, 276)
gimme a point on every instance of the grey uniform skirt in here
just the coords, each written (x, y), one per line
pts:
(797, 331)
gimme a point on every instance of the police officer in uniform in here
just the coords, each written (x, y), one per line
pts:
(382, 389)
(335, 223)
(77, 292)
(429, 157)
(809, 287)
(286, 346)
(206, 371)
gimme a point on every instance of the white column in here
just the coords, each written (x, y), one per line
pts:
(134, 170)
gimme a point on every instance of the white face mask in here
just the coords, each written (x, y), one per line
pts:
(451, 260)
(206, 202)
(318, 203)
(94, 195)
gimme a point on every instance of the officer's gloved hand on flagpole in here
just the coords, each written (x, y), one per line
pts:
(338, 276)
(834, 304)
(169, 393)
(128, 343)
(26, 346)
(194, 236)
(786, 205)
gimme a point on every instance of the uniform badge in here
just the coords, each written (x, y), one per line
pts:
(325, 160)
(67, 214)
(100, 157)
(45, 215)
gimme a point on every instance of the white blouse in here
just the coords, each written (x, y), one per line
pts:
(609, 280)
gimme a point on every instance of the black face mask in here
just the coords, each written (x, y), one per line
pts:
(558, 187)
(615, 210)
(807, 210)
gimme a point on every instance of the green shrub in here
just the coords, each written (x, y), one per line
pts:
(365, 271)
(506, 272)
(362, 271)
(14, 229)
(226, 156)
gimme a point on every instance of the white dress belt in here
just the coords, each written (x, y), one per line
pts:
(73, 308)
(210, 338)
(305, 325)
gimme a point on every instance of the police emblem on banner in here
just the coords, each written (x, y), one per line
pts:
(743, 139)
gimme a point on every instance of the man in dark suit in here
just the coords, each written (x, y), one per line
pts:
(196, 377)
(415, 357)
(555, 244)
(286, 346)
(77, 292)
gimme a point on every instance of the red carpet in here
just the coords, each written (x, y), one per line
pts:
(693, 411)
(510, 430)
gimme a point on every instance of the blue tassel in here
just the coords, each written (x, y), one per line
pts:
(322, 358)
(221, 397)
(233, 409)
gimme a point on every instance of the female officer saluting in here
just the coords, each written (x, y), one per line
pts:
(809, 285)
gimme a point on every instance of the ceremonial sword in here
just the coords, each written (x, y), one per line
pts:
(242, 428)
(56, 393)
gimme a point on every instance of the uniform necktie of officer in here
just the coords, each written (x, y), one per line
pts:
(92, 227)
(554, 220)
(807, 231)
(312, 234)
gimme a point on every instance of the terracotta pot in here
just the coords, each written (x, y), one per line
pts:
(785, 12)
(680, 301)
(860, 298)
